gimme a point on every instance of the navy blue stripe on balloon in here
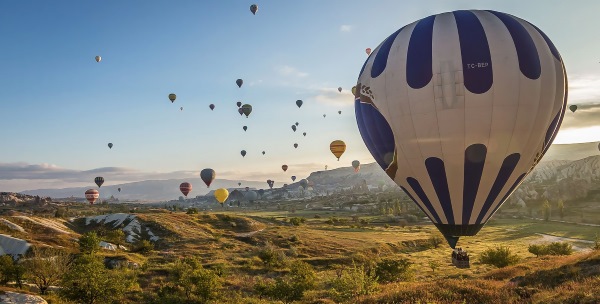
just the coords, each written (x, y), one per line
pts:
(553, 49)
(508, 166)
(551, 130)
(561, 113)
(475, 52)
(413, 199)
(414, 184)
(437, 174)
(419, 66)
(376, 132)
(529, 60)
(512, 188)
(474, 161)
(381, 58)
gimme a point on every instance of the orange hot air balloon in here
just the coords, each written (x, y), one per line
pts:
(92, 195)
(284, 167)
(185, 188)
(368, 51)
(338, 148)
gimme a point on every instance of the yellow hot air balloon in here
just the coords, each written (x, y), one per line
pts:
(337, 147)
(221, 195)
(354, 90)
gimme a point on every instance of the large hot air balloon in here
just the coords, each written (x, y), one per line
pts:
(98, 58)
(208, 176)
(110, 145)
(119, 189)
(254, 9)
(304, 183)
(243, 152)
(246, 109)
(239, 104)
(337, 147)
(245, 128)
(185, 188)
(293, 178)
(368, 51)
(211, 106)
(295, 145)
(573, 108)
(99, 181)
(284, 167)
(458, 108)
(239, 83)
(92, 195)
(221, 195)
(340, 89)
(294, 128)
(356, 165)
(304, 133)
(299, 103)
(240, 111)
(172, 97)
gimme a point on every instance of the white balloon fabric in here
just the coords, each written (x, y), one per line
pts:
(458, 108)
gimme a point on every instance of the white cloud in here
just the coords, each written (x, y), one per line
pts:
(346, 28)
(287, 70)
(331, 96)
(584, 88)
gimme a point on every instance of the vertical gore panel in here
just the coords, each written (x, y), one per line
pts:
(475, 53)
(437, 174)
(508, 166)
(474, 161)
(375, 132)
(419, 66)
(512, 188)
(414, 184)
(381, 57)
(529, 60)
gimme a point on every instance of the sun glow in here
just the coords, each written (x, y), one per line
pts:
(578, 135)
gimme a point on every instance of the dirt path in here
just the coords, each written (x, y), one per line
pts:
(546, 238)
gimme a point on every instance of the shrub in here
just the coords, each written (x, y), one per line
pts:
(292, 287)
(317, 216)
(555, 248)
(271, 257)
(499, 257)
(192, 210)
(294, 239)
(89, 243)
(296, 221)
(386, 225)
(352, 283)
(436, 240)
(411, 218)
(144, 246)
(389, 270)
(596, 242)
(434, 265)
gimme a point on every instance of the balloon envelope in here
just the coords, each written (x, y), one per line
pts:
(246, 109)
(239, 104)
(119, 189)
(263, 152)
(221, 195)
(340, 89)
(299, 103)
(172, 97)
(368, 51)
(337, 147)
(573, 108)
(241, 111)
(92, 195)
(208, 176)
(294, 128)
(304, 133)
(284, 167)
(356, 165)
(457, 162)
(254, 9)
(211, 106)
(185, 188)
(243, 152)
(99, 181)
(110, 145)
(293, 178)
(245, 128)
(239, 83)
(295, 145)
(98, 58)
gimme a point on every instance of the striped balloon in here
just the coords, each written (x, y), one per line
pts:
(185, 188)
(338, 148)
(92, 195)
(99, 181)
(458, 108)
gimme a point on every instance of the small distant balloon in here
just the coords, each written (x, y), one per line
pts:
(340, 89)
(239, 104)
(181, 109)
(339, 112)
(99, 181)
(241, 111)
(337, 147)
(299, 103)
(304, 133)
(239, 184)
(295, 145)
(253, 9)
(294, 128)
(98, 58)
(185, 188)
(119, 189)
(245, 128)
(172, 97)
(324, 115)
(368, 51)
(239, 83)
(293, 178)
(297, 124)
(110, 145)
(221, 195)
(211, 106)
(246, 109)
(263, 152)
(243, 152)
(208, 175)
(247, 188)
(573, 108)
(92, 195)
(284, 167)
(356, 165)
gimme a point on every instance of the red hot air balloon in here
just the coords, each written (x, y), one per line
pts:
(212, 106)
(368, 51)
(92, 195)
(284, 167)
(185, 188)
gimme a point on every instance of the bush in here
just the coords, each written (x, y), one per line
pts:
(411, 218)
(189, 280)
(294, 239)
(317, 216)
(144, 246)
(296, 221)
(192, 210)
(499, 257)
(386, 225)
(292, 287)
(436, 240)
(389, 270)
(596, 242)
(271, 257)
(355, 282)
(554, 248)
(89, 243)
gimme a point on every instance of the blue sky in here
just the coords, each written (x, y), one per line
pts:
(60, 108)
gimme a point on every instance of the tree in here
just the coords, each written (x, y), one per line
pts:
(546, 210)
(434, 265)
(499, 257)
(389, 270)
(89, 243)
(116, 236)
(195, 281)
(46, 267)
(561, 209)
(292, 287)
(89, 282)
